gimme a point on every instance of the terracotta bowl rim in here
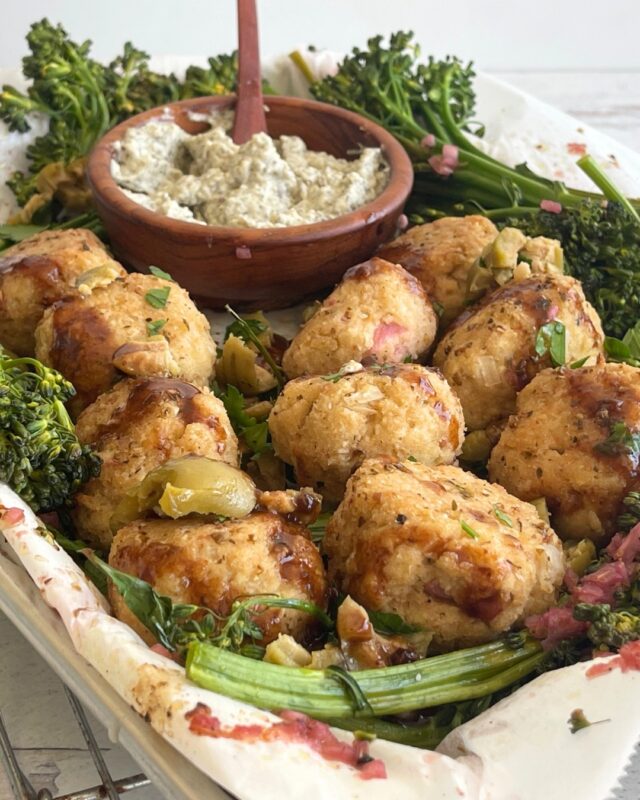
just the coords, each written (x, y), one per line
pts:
(109, 193)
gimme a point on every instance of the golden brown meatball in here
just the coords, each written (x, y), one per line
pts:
(379, 311)
(326, 428)
(441, 254)
(37, 272)
(448, 552)
(571, 442)
(96, 339)
(489, 353)
(211, 564)
(136, 427)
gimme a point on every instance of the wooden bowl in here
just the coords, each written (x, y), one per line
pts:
(285, 265)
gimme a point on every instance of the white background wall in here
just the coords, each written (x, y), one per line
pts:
(498, 34)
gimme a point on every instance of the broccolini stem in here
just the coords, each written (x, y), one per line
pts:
(454, 677)
(427, 735)
(608, 188)
(298, 59)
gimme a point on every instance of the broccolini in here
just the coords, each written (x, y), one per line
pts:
(40, 456)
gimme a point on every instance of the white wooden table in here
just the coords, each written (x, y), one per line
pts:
(33, 704)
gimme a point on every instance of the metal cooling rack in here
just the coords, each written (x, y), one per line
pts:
(109, 789)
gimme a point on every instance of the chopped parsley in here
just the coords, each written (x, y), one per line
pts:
(469, 530)
(160, 273)
(620, 441)
(552, 338)
(577, 721)
(240, 329)
(389, 624)
(157, 298)
(505, 519)
(155, 326)
(579, 363)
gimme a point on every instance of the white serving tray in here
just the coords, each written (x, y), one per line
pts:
(519, 127)
(171, 773)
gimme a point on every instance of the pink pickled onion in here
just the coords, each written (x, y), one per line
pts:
(551, 206)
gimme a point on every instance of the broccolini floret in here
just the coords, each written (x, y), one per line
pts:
(608, 628)
(40, 456)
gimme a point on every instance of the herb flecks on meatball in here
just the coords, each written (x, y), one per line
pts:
(326, 426)
(574, 441)
(448, 552)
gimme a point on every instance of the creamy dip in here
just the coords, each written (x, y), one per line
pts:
(264, 183)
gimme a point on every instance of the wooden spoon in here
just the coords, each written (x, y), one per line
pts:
(249, 114)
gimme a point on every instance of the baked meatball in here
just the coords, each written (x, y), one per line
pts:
(571, 442)
(448, 552)
(326, 428)
(379, 312)
(96, 339)
(441, 254)
(136, 427)
(37, 272)
(489, 353)
(211, 564)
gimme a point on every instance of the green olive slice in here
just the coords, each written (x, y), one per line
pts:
(188, 485)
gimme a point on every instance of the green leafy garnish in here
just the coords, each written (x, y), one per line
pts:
(158, 613)
(240, 329)
(620, 441)
(389, 624)
(155, 326)
(469, 530)
(504, 518)
(175, 625)
(627, 349)
(579, 363)
(160, 273)
(157, 298)
(551, 338)
(254, 433)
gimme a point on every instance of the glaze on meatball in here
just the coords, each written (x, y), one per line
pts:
(489, 354)
(326, 428)
(441, 254)
(96, 339)
(37, 272)
(448, 552)
(379, 312)
(136, 427)
(211, 564)
(561, 445)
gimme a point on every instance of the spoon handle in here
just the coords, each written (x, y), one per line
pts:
(249, 116)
